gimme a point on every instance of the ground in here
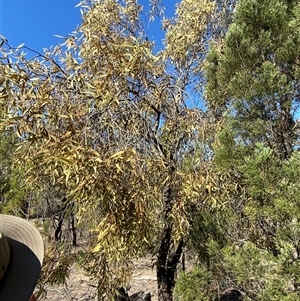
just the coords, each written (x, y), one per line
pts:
(81, 288)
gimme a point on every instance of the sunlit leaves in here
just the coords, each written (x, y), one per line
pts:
(101, 117)
(185, 38)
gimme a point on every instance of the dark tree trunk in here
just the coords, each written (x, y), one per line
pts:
(61, 216)
(66, 212)
(167, 258)
(283, 133)
(73, 228)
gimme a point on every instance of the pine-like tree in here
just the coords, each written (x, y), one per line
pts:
(253, 90)
(254, 74)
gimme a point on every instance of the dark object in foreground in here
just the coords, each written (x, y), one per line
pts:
(231, 295)
(140, 296)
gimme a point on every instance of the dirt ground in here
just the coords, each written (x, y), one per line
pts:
(81, 288)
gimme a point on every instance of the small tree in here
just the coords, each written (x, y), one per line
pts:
(108, 119)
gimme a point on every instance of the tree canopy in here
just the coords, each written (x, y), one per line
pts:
(191, 147)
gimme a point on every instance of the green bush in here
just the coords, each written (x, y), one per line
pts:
(193, 286)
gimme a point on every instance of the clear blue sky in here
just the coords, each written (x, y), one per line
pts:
(35, 22)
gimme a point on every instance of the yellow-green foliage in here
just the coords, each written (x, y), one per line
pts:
(102, 118)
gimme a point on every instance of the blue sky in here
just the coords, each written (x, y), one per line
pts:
(35, 22)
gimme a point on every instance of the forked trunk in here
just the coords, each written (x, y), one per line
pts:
(167, 259)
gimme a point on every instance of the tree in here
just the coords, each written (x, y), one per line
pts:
(109, 120)
(14, 196)
(254, 74)
(252, 89)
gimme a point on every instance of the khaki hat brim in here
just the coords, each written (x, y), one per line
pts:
(27, 251)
